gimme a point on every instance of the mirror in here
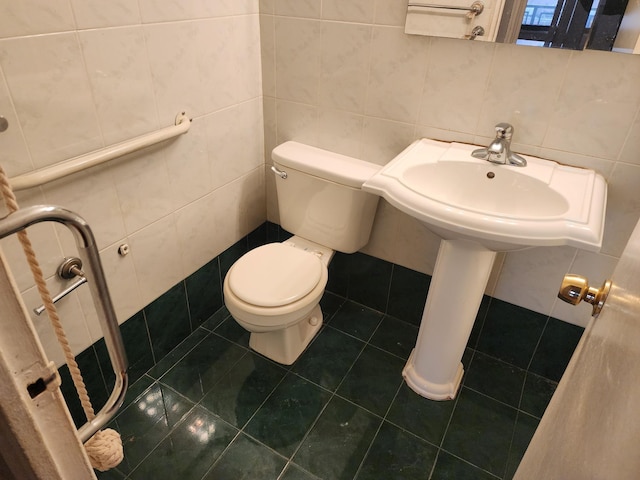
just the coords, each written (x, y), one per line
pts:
(609, 25)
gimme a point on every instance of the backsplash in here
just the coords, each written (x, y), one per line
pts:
(503, 333)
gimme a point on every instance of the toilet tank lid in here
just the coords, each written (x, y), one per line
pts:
(335, 167)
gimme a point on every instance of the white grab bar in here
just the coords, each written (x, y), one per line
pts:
(91, 159)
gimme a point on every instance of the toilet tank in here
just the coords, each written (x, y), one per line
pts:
(321, 198)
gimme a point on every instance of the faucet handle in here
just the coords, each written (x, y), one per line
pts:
(504, 130)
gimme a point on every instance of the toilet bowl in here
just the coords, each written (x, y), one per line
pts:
(274, 291)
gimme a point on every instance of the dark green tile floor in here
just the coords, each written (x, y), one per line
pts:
(213, 409)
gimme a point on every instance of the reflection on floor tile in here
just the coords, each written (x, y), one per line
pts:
(328, 359)
(177, 353)
(239, 394)
(247, 459)
(338, 442)
(231, 330)
(284, 419)
(213, 409)
(196, 373)
(190, 449)
(147, 421)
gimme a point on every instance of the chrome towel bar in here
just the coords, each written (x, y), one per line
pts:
(476, 8)
(69, 268)
(38, 311)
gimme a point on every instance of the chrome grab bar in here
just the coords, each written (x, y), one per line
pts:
(476, 8)
(88, 251)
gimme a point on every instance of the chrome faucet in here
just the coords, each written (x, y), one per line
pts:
(499, 151)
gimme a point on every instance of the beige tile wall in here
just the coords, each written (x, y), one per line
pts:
(80, 74)
(76, 75)
(342, 75)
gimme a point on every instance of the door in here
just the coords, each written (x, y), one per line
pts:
(591, 428)
(37, 435)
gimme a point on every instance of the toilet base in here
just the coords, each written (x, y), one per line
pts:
(286, 345)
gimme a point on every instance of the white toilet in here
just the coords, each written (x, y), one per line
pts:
(274, 290)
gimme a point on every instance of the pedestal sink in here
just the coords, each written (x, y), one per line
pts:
(479, 208)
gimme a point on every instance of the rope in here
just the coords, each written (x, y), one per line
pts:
(105, 447)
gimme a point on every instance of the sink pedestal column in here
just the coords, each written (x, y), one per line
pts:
(434, 369)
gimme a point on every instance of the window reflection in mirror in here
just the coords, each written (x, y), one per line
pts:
(609, 25)
(573, 24)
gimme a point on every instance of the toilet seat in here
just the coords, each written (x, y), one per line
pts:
(259, 318)
(275, 275)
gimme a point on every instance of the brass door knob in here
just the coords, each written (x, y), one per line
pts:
(575, 288)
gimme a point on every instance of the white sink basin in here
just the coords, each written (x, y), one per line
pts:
(480, 208)
(502, 207)
(483, 188)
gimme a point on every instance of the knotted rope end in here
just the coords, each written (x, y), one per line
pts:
(104, 449)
